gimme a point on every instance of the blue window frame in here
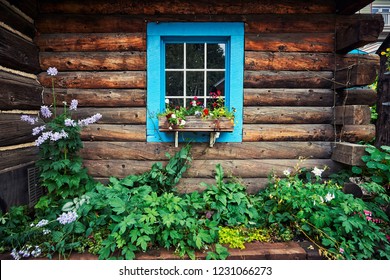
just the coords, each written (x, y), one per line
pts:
(159, 35)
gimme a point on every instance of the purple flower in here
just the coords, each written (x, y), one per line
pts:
(70, 122)
(15, 254)
(29, 119)
(73, 105)
(41, 139)
(37, 130)
(67, 218)
(42, 223)
(90, 120)
(58, 135)
(341, 250)
(45, 111)
(53, 136)
(52, 71)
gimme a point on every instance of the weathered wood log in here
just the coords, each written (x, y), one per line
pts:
(89, 61)
(30, 8)
(98, 97)
(290, 42)
(290, 115)
(358, 70)
(283, 79)
(17, 92)
(349, 153)
(206, 168)
(57, 23)
(16, 21)
(297, 61)
(81, 42)
(15, 131)
(356, 133)
(249, 150)
(288, 132)
(17, 53)
(288, 97)
(356, 96)
(11, 158)
(96, 80)
(383, 103)
(110, 132)
(352, 114)
(358, 34)
(113, 115)
(187, 7)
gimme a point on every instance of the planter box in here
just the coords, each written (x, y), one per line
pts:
(193, 124)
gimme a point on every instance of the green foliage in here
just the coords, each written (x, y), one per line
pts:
(236, 237)
(228, 201)
(321, 212)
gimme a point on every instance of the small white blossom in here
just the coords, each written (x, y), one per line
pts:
(173, 116)
(317, 172)
(46, 231)
(73, 105)
(167, 101)
(287, 172)
(193, 103)
(42, 223)
(67, 218)
(329, 197)
(182, 122)
(52, 71)
(70, 122)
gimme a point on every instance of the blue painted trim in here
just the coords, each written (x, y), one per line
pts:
(157, 35)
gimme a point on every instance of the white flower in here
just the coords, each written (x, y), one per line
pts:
(73, 105)
(173, 116)
(329, 197)
(167, 101)
(287, 172)
(317, 172)
(182, 122)
(42, 223)
(193, 103)
(52, 71)
(67, 218)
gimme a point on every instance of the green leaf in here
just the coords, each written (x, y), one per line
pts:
(357, 170)
(118, 205)
(79, 227)
(143, 242)
(57, 236)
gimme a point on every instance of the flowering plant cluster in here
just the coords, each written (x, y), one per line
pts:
(386, 53)
(59, 142)
(215, 109)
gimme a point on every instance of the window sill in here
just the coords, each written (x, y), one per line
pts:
(193, 124)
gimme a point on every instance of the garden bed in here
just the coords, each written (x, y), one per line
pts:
(253, 251)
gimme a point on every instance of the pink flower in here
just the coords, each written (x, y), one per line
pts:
(341, 250)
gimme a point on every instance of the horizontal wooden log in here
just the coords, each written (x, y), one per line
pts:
(352, 114)
(288, 132)
(289, 79)
(14, 131)
(30, 8)
(360, 70)
(249, 150)
(81, 42)
(290, 42)
(361, 33)
(288, 115)
(187, 7)
(90, 61)
(98, 97)
(96, 80)
(11, 158)
(16, 21)
(206, 168)
(349, 153)
(356, 96)
(113, 115)
(356, 133)
(288, 97)
(297, 61)
(17, 53)
(111, 132)
(17, 92)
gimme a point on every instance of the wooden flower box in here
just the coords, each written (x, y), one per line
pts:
(194, 124)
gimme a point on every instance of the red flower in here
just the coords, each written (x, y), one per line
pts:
(195, 98)
(169, 115)
(205, 111)
(215, 104)
(219, 92)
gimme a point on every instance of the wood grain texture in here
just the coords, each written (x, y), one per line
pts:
(97, 150)
(111, 132)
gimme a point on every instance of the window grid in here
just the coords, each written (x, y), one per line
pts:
(205, 70)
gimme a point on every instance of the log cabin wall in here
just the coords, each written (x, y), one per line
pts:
(296, 72)
(20, 92)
